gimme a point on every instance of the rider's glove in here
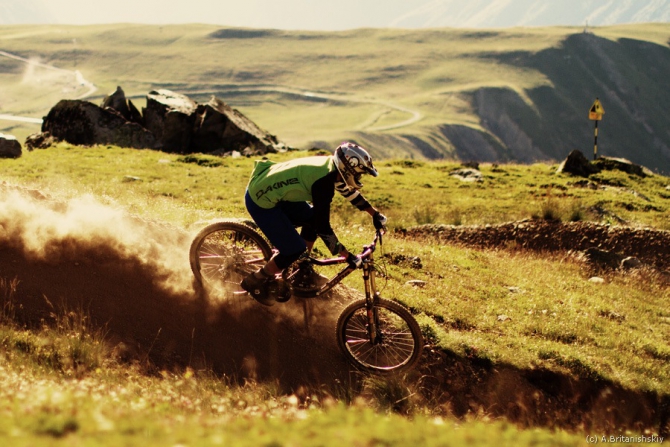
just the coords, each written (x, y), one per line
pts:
(379, 220)
(354, 261)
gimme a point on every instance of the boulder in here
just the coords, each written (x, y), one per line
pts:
(577, 164)
(9, 146)
(118, 101)
(170, 117)
(84, 123)
(221, 129)
(171, 122)
(621, 164)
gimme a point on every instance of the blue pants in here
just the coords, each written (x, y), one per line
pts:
(279, 226)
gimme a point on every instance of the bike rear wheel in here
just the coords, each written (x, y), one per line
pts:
(223, 253)
(399, 341)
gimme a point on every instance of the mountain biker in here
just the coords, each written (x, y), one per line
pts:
(277, 199)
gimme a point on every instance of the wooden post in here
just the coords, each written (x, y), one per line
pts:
(596, 114)
(595, 143)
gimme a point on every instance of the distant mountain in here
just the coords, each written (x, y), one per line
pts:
(509, 13)
(24, 11)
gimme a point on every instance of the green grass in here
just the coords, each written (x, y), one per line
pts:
(507, 308)
(188, 189)
(119, 405)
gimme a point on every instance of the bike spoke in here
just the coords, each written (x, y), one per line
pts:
(395, 341)
(225, 257)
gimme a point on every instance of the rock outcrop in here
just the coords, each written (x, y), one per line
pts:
(219, 128)
(170, 122)
(118, 101)
(170, 117)
(621, 164)
(577, 164)
(84, 123)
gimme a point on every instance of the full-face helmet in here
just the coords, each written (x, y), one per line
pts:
(352, 161)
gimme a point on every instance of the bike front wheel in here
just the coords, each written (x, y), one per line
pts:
(397, 338)
(223, 253)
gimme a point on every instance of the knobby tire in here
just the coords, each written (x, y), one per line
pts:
(220, 253)
(401, 345)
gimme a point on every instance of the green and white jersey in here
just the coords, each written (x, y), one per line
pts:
(309, 179)
(289, 181)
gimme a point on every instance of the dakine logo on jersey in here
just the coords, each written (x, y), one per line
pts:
(277, 185)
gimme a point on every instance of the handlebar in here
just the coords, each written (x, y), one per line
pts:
(367, 251)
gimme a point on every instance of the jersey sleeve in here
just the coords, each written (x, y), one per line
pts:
(352, 195)
(323, 191)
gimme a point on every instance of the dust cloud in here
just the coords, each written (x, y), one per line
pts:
(132, 279)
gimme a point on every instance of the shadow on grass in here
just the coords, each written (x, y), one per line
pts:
(291, 344)
(540, 397)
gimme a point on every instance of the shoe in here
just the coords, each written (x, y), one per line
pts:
(260, 289)
(307, 279)
(284, 292)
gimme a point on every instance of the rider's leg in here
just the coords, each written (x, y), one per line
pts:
(277, 225)
(301, 214)
(281, 232)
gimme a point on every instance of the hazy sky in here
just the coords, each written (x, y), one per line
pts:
(295, 14)
(337, 14)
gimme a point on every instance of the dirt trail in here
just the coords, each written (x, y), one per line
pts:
(132, 277)
(75, 81)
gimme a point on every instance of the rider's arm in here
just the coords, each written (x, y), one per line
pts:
(356, 198)
(353, 196)
(323, 191)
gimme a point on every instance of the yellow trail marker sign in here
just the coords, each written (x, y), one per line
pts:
(596, 112)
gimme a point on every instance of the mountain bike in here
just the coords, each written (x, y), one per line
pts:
(376, 335)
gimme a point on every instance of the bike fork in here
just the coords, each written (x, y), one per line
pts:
(370, 301)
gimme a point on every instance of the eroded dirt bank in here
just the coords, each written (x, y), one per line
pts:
(651, 246)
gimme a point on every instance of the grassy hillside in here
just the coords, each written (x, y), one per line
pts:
(514, 336)
(499, 95)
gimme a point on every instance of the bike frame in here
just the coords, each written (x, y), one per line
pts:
(367, 267)
(375, 334)
(371, 295)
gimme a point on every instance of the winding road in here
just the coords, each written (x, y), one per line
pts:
(79, 80)
(414, 116)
